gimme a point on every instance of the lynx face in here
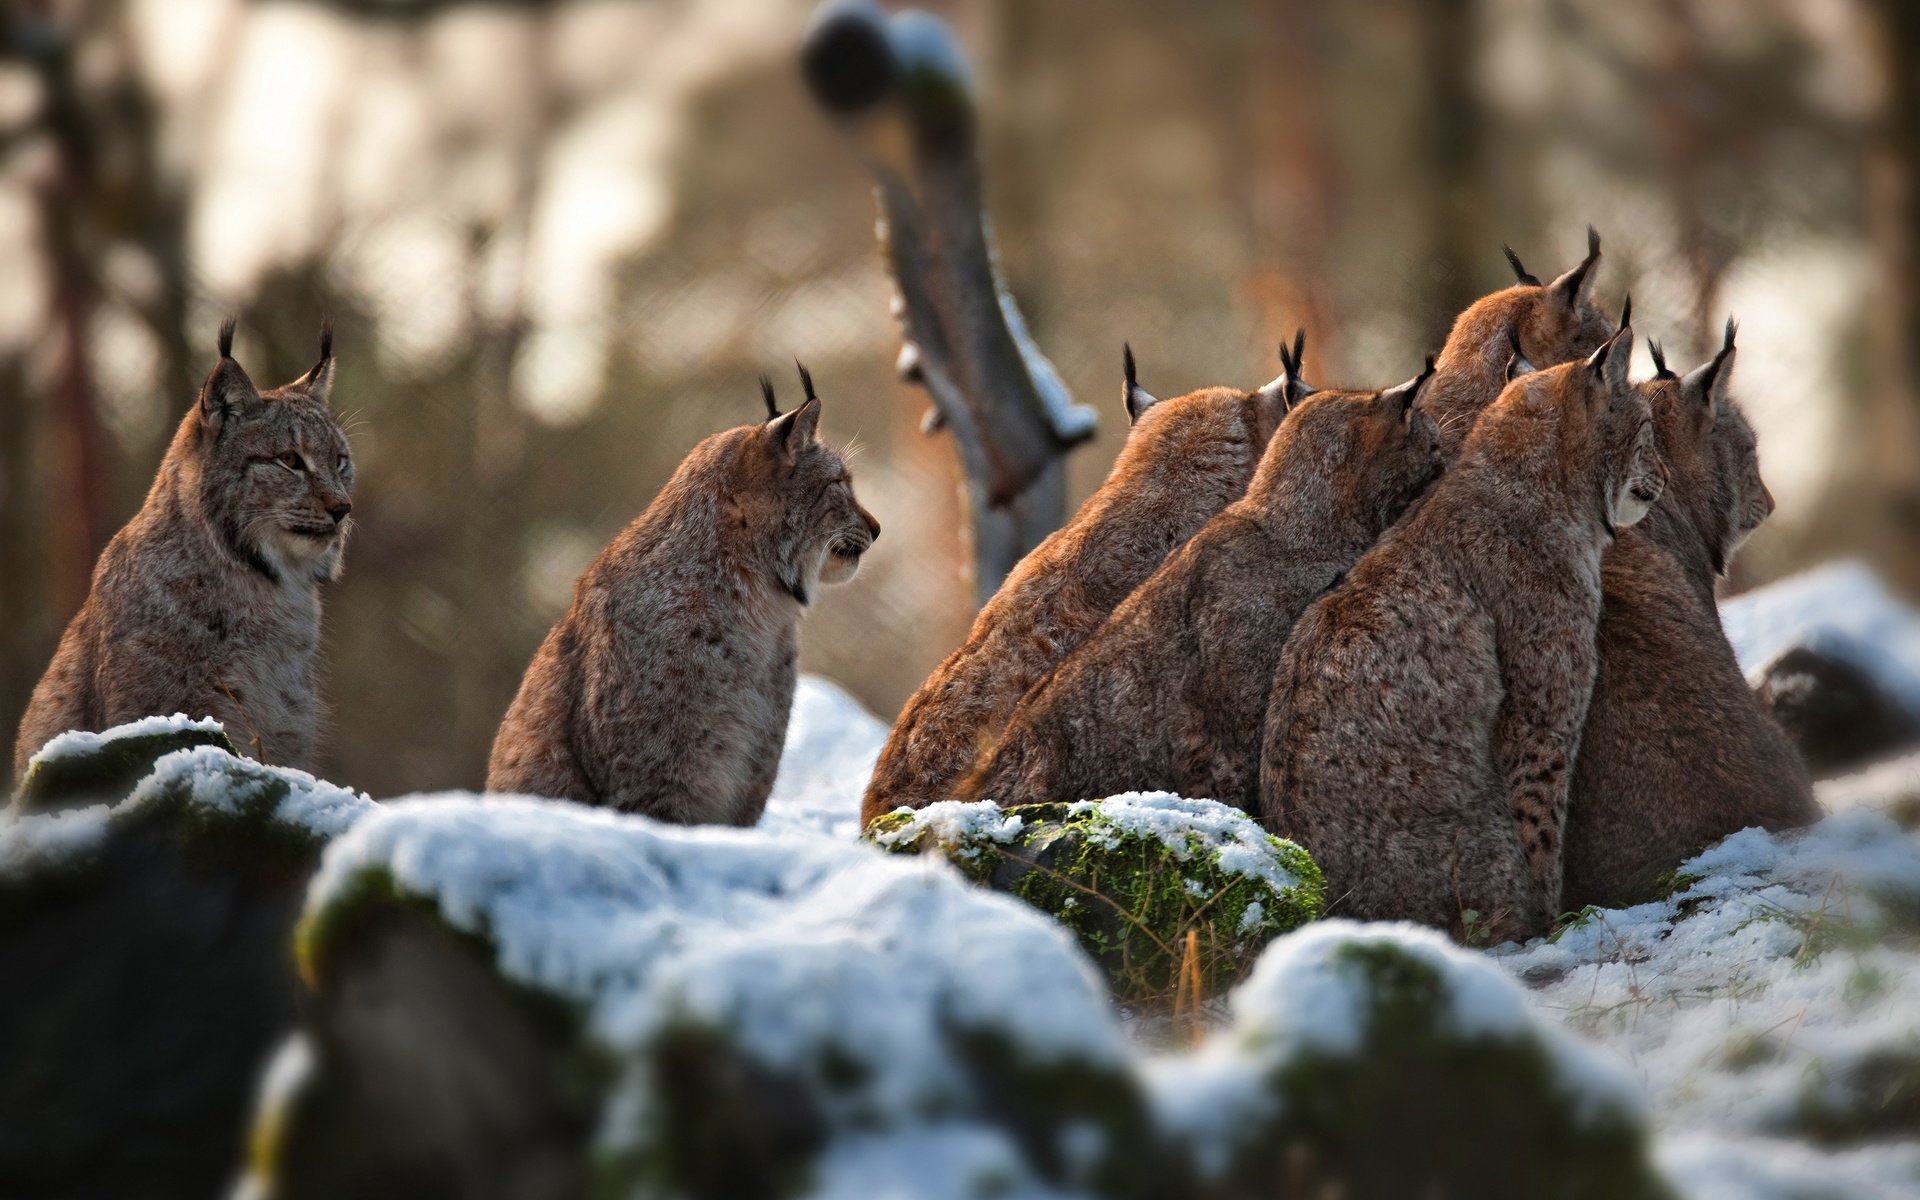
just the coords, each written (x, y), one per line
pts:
(1620, 443)
(1645, 476)
(276, 474)
(1713, 451)
(821, 530)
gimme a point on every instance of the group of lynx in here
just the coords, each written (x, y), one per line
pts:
(1417, 629)
(1427, 641)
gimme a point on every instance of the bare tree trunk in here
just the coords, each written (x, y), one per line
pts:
(899, 90)
(1451, 147)
(1892, 426)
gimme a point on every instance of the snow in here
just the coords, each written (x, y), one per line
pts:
(1176, 822)
(832, 744)
(801, 948)
(33, 842)
(214, 780)
(1839, 609)
(80, 742)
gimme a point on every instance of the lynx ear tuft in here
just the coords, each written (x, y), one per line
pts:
(1626, 312)
(226, 336)
(1660, 368)
(1710, 382)
(1136, 398)
(1407, 393)
(806, 379)
(766, 394)
(1289, 387)
(1520, 273)
(1575, 286)
(318, 381)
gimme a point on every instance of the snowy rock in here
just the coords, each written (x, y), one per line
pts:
(534, 998)
(80, 768)
(1153, 885)
(1838, 715)
(1383, 1061)
(145, 952)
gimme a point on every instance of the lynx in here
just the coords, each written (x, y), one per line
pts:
(1547, 324)
(1677, 754)
(1190, 655)
(1426, 713)
(208, 601)
(665, 688)
(1184, 460)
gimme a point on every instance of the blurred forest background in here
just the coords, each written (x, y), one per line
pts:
(560, 240)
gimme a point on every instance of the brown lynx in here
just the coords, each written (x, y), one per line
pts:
(1677, 754)
(208, 601)
(1426, 713)
(1190, 655)
(1545, 324)
(1184, 460)
(665, 688)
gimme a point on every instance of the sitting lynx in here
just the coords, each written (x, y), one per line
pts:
(1184, 460)
(1189, 657)
(665, 688)
(208, 601)
(1677, 753)
(1546, 324)
(1426, 713)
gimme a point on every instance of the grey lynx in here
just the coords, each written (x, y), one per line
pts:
(1426, 713)
(665, 688)
(1171, 693)
(1677, 754)
(1185, 459)
(208, 601)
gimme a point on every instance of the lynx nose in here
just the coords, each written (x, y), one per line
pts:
(873, 526)
(339, 511)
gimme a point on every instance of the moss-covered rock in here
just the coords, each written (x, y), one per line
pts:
(145, 952)
(80, 768)
(1154, 886)
(1380, 1061)
(508, 997)
(1874, 1096)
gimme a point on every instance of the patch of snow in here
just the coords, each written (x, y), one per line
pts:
(804, 949)
(217, 781)
(1176, 822)
(937, 1162)
(832, 744)
(1840, 609)
(955, 821)
(1710, 1168)
(78, 742)
(31, 842)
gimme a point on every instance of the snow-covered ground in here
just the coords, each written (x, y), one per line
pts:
(1769, 1010)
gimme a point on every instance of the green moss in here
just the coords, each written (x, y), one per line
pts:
(1420, 1109)
(107, 773)
(1148, 912)
(245, 822)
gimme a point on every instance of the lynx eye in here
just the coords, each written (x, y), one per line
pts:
(291, 462)
(341, 466)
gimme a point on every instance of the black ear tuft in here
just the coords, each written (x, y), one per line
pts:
(326, 338)
(1626, 312)
(766, 393)
(1126, 367)
(226, 336)
(1520, 273)
(1659, 353)
(1726, 342)
(806, 379)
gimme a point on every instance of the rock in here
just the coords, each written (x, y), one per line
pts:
(1382, 1061)
(145, 953)
(81, 768)
(1836, 713)
(1154, 886)
(515, 998)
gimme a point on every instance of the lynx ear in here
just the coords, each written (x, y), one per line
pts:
(1626, 312)
(1517, 364)
(227, 390)
(1406, 395)
(793, 433)
(318, 381)
(1288, 387)
(1137, 399)
(1520, 273)
(1577, 284)
(1610, 363)
(1708, 385)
